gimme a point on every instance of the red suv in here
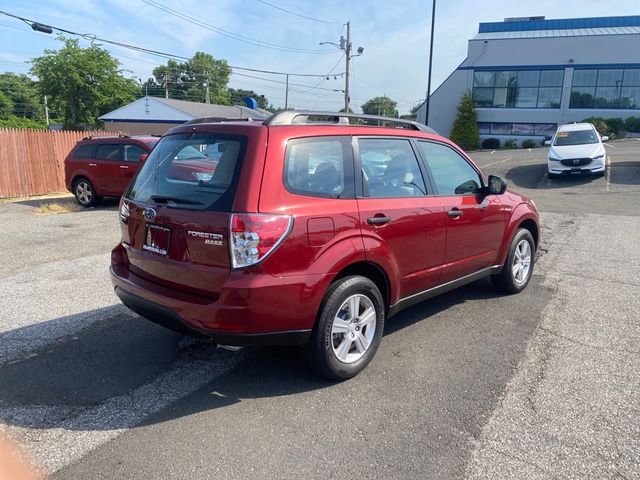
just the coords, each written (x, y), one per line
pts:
(103, 166)
(313, 230)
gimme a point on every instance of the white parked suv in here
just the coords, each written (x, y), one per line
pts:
(576, 148)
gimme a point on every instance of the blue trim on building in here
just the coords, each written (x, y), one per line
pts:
(560, 24)
(111, 120)
(551, 67)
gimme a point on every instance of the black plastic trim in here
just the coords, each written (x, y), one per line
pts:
(167, 318)
(445, 287)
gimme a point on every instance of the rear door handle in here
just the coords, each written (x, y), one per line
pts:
(455, 213)
(378, 220)
(124, 166)
(92, 165)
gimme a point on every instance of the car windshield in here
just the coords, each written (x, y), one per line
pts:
(576, 137)
(152, 144)
(179, 175)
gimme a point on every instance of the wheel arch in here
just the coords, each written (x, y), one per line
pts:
(373, 272)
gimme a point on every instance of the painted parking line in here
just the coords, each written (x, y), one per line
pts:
(497, 161)
(607, 173)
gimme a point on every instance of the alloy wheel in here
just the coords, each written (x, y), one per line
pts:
(353, 328)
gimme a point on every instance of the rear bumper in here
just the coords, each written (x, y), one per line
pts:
(251, 308)
(166, 317)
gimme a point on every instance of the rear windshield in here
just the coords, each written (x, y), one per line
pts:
(195, 171)
(576, 137)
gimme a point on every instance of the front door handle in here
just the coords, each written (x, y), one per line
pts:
(124, 166)
(378, 220)
(92, 165)
(454, 213)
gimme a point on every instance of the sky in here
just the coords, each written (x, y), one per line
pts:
(261, 35)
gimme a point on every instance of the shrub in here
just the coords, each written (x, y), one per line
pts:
(528, 143)
(491, 143)
(616, 125)
(465, 127)
(600, 124)
(632, 124)
(510, 144)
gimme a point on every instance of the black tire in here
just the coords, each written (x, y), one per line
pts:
(323, 356)
(85, 192)
(506, 280)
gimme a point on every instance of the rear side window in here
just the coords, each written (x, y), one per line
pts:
(390, 168)
(84, 151)
(451, 172)
(109, 151)
(319, 167)
(132, 152)
(180, 174)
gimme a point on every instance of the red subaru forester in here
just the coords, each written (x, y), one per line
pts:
(312, 229)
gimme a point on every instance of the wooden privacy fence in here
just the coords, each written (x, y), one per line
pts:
(32, 161)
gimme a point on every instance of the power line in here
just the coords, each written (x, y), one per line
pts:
(93, 38)
(235, 36)
(299, 14)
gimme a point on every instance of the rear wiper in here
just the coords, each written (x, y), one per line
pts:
(166, 199)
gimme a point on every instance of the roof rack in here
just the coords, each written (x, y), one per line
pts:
(218, 119)
(291, 117)
(91, 137)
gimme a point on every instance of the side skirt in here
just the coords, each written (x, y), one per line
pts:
(445, 287)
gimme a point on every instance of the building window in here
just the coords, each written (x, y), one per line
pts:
(518, 88)
(610, 88)
(517, 129)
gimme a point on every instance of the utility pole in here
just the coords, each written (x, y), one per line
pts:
(208, 97)
(166, 85)
(286, 93)
(433, 22)
(347, 57)
(46, 110)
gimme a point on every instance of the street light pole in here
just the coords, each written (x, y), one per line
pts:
(346, 76)
(433, 21)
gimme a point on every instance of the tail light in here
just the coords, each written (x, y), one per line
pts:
(254, 236)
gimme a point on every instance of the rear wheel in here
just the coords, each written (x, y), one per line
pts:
(349, 328)
(85, 192)
(518, 267)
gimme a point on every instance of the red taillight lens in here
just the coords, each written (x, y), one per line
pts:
(256, 235)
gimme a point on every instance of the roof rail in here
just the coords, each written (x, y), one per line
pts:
(292, 117)
(91, 137)
(218, 119)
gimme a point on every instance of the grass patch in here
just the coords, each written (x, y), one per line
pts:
(54, 208)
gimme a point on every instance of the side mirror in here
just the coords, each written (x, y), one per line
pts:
(497, 185)
(547, 143)
(143, 157)
(604, 139)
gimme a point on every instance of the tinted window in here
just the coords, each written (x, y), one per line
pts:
(132, 153)
(452, 173)
(178, 175)
(84, 151)
(110, 151)
(390, 168)
(319, 167)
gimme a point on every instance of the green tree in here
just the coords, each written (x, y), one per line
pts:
(236, 97)
(21, 93)
(6, 106)
(380, 106)
(465, 127)
(188, 80)
(82, 83)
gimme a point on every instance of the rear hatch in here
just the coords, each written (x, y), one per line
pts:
(175, 215)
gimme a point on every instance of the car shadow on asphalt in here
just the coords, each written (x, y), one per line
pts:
(534, 176)
(104, 204)
(120, 353)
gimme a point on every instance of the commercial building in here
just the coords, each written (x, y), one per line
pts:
(154, 116)
(529, 75)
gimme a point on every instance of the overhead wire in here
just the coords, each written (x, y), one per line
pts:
(299, 14)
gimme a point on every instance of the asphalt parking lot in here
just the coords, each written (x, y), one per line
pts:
(473, 384)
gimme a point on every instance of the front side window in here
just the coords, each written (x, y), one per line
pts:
(180, 175)
(451, 172)
(319, 167)
(576, 137)
(390, 168)
(109, 151)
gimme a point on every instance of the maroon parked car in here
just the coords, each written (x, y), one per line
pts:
(313, 230)
(103, 166)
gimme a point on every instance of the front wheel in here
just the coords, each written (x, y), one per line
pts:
(518, 267)
(349, 328)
